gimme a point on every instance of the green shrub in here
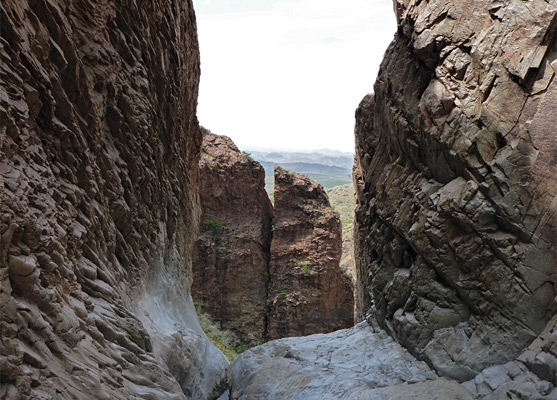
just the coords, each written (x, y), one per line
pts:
(225, 340)
(248, 155)
(213, 223)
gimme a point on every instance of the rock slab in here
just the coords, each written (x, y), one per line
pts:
(362, 362)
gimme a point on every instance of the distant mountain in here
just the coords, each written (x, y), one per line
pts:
(328, 167)
(333, 158)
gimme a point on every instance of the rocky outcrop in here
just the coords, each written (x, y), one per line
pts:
(455, 236)
(266, 277)
(99, 209)
(231, 260)
(358, 363)
(307, 294)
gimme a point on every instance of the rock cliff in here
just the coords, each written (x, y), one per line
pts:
(231, 259)
(263, 272)
(307, 294)
(99, 205)
(455, 236)
(99, 211)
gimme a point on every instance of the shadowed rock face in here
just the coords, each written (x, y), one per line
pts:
(99, 209)
(231, 260)
(308, 294)
(455, 236)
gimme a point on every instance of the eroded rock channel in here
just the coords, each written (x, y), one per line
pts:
(100, 216)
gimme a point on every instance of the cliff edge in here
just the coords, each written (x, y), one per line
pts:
(231, 258)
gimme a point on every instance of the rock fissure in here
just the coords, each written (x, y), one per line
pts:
(297, 243)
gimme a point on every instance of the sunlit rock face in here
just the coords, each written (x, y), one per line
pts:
(263, 272)
(99, 209)
(455, 224)
(231, 260)
(308, 293)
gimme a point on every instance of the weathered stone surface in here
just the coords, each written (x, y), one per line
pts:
(307, 294)
(260, 281)
(99, 209)
(532, 376)
(362, 362)
(455, 237)
(231, 260)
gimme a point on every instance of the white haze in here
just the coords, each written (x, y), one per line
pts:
(289, 74)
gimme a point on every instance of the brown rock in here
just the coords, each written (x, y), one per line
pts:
(231, 260)
(308, 294)
(455, 236)
(98, 205)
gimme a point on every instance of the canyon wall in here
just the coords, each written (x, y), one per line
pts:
(231, 258)
(308, 293)
(455, 223)
(263, 272)
(99, 205)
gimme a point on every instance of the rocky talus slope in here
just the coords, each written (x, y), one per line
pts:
(99, 209)
(263, 272)
(231, 258)
(307, 293)
(455, 237)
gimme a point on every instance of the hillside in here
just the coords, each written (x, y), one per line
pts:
(342, 200)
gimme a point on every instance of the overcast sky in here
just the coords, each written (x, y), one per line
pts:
(289, 74)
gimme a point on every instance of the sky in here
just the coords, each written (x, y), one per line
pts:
(289, 74)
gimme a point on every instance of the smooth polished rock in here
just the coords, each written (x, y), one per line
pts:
(362, 362)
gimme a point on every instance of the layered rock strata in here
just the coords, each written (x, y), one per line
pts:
(307, 294)
(99, 209)
(455, 236)
(231, 259)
